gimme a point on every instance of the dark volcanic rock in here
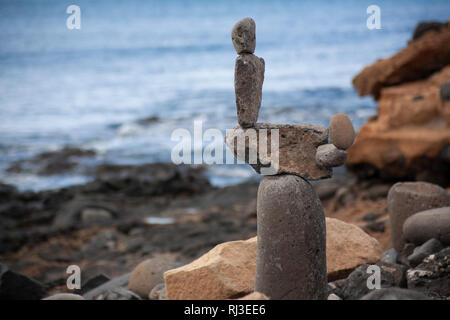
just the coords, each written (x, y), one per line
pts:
(15, 286)
(432, 276)
(420, 253)
(91, 284)
(54, 162)
(376, 226)
(355, 285)
(445, 91)
(148, 179)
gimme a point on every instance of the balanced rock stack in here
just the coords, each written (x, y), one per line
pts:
(291, 254)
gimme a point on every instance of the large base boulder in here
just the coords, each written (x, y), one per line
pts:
(228, 270)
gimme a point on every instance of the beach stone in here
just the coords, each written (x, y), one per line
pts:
(158, 292)
(348, 246)
(394, 294)
(118, 282)
(248, 83)
(433, 223)
(355, 286)
(420, 253)
(255, 296)
(92, 283)
(16, 286)
(291, 259)
(95, 215)
(407, 198)
(342, 133)
(334, 296)
(296, 153)
(118, 293)
(64, 296)
(225, 272)
(243, 36)
(444, 91)
(432, 276)
(328, 155)
(390, 256)
(147, 275)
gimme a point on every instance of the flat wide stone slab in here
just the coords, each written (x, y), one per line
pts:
(297, 148)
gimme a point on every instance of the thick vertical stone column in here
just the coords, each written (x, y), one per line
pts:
(291, 258)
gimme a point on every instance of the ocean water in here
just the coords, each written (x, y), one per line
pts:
(174, 61)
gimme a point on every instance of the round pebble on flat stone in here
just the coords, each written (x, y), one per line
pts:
(328, 155)
(147, 275)
(407, 198)
(64, 296)
(425, 225)
(445, 91)
(243, 36)
(342, 133)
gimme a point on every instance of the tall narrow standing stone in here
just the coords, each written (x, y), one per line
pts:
(291, 260)
(248, 73)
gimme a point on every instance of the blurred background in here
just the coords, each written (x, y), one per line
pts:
(137, 70)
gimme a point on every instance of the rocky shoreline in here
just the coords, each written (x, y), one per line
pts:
(161, 231)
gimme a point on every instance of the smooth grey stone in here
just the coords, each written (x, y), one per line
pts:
(328, 155)
(64, 296)
(121, 281)
(394, 294)
(334, 297)
(243, 36)
(248, 82)
(342, 133)
(445, 91)
(408, 198)
(425, 225)
(420, 253)
(390, 256)
(158, 292)
(118, 294)
(291, 256)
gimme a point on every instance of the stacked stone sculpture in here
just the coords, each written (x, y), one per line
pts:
(291, 257)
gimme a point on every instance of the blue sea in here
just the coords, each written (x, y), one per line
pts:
(173, 62)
